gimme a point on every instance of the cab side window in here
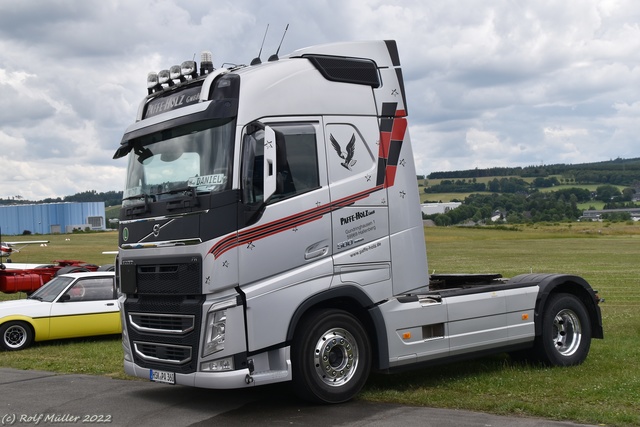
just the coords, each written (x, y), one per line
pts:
(296, 162)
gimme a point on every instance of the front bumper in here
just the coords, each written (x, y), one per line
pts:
(214, 380)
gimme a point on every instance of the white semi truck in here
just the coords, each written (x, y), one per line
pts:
(271, 231)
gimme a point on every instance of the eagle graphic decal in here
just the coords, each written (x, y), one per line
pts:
(347, 156)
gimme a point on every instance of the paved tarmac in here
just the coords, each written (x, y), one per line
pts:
(46, 398)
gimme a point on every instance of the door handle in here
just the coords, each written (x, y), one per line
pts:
(314, 252)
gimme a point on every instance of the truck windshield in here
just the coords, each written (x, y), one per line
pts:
(191, 159)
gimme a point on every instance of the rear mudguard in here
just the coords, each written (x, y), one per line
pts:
(555, 283)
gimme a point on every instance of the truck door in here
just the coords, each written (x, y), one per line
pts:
(361, 224)
(286, 247)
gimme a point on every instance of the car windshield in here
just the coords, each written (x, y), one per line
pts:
(50, 290)
(192, 159)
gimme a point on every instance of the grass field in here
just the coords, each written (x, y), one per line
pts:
(604, 390)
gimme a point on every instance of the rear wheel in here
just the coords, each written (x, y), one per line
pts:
(331, 357)
(15, 336)
(566, 331)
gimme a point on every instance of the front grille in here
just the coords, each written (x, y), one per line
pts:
(153, 322)
(162, 323)
(163, 353)
(178, 278)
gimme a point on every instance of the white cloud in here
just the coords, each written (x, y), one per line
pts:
(491, 83)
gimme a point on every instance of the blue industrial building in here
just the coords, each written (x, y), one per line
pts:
(50, 218)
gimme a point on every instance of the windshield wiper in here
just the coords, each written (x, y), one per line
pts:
(176, 190)
(138, 209)
(186, 191)
(35, 297)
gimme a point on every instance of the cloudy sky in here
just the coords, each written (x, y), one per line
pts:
(489, 82)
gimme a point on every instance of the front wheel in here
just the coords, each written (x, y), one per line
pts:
(331, 357)
(566, 332)
(15, 336)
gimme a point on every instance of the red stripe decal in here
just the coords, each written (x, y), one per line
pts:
(287, 223)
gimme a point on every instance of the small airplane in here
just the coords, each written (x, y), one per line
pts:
(7, 248)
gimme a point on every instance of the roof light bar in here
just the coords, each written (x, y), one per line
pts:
(183, 72)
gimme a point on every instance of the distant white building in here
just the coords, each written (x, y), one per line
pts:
(596, 215)
(498, 215)
(438, 208)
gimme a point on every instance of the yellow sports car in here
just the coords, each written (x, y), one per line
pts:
(69, 306)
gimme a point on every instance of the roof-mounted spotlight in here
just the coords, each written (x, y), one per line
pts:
(189, 69)
(164, 77)
(152, 82)
(175, 73)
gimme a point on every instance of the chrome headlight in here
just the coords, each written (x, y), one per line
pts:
(216, 328)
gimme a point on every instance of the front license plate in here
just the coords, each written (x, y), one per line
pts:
(162, 377)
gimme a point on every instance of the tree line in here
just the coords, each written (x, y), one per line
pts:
(502, 185)
(614, 172)
(536, 206)
(110, 198)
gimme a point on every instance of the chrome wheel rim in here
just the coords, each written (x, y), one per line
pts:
(567, 332)
(336, 357)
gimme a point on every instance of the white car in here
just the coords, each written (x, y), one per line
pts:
(69, 306)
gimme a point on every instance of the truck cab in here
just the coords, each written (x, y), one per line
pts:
(270, 231)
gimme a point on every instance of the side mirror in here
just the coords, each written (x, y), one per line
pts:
(269, 172)
(65, 298)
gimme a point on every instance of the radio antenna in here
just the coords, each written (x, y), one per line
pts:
(274, 57)
(257, 60)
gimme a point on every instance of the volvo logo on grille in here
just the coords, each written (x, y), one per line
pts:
(156, 230)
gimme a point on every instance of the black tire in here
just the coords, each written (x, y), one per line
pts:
(15, 335)
(344, 368)
(566, 332)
